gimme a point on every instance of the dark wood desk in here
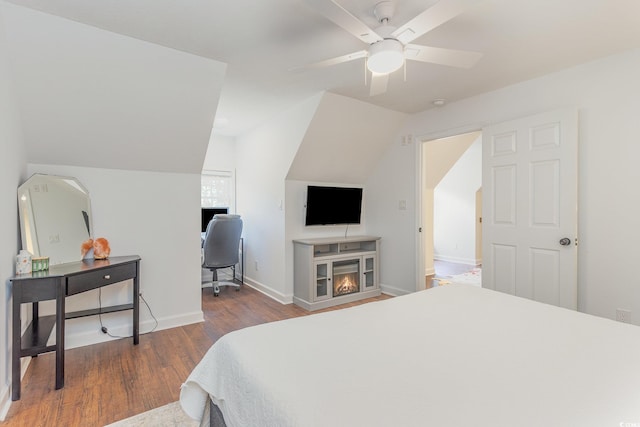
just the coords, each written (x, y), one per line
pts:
(57, 283)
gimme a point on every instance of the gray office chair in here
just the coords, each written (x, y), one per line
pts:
(220, 247)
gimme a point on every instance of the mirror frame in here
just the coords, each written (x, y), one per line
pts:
(69, 243)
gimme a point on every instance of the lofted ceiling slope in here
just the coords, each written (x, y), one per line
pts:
(344, 141)
(440, 155)
(89, 97)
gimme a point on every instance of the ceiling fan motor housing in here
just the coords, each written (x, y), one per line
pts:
(384, 11)
(386, 55)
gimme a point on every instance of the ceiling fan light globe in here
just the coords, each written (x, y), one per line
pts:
(385, 56)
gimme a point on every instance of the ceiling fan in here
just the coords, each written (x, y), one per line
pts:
(389, 46)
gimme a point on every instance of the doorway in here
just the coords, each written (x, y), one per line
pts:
(451, 172)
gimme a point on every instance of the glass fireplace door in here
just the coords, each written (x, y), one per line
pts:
(346, 277)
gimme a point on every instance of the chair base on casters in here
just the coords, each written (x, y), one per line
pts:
(217, 285)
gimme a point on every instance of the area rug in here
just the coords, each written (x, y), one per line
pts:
(166, 416)
(473, 277)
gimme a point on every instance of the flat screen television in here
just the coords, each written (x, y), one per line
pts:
(208, 213)
(333, 205)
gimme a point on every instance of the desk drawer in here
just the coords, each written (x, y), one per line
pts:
(105, 276)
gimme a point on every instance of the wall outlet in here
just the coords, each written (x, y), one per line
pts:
(256, 265)
(623, 315)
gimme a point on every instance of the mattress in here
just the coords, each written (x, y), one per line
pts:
(454, 355)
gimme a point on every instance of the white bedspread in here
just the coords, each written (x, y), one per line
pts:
(450, 356)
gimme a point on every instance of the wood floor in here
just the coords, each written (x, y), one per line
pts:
(107, 382)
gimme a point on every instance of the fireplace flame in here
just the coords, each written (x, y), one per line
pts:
(345, 286)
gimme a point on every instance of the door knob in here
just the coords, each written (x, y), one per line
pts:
(565, 241)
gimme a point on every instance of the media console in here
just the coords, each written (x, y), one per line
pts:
(332, 271)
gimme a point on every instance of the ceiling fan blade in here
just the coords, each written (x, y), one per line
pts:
(343, 18)
(332, 61)
(436, 15)
(437, 55)
(378, 84)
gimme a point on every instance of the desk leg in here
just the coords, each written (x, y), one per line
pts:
(16, 343)
(60, 320)
(35, 314)
(136, 305)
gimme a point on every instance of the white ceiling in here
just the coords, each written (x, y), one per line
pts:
(261, 40)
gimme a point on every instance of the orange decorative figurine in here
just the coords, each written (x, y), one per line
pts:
(100, 247)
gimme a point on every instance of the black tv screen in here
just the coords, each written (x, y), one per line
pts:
(333, 205)
(208, 214)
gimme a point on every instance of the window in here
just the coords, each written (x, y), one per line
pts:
(217, 189)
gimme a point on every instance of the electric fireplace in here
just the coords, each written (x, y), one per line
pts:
(331, 271)
(346, 277)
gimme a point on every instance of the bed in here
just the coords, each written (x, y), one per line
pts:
(454, 355)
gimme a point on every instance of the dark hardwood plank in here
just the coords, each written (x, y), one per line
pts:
(110, 381)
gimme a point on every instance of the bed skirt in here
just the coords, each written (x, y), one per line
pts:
(215, 416)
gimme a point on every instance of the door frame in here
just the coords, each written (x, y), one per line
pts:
(418, 151)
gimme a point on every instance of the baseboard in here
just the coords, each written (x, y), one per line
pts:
(5, 400)
(393, 291)
(275, 295)
(317, 305)
(457, 260)
(84, 338)
(429, 271)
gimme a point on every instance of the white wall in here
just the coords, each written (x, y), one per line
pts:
(454, 214)
(152, 214)
(391, 182)
(13, 165)
(90, 97)
(221, 153)
(604, 92)
(263, 158)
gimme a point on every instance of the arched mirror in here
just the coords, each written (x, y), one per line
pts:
(55, 217)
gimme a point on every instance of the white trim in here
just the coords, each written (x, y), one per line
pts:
(447, 133)
(5, 401)
(332, 302)
(81, 339)
(420, 262)
(457, 260)
(275, 295)
(421, 139)
(393, 291)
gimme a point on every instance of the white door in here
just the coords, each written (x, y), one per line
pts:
(530, 207)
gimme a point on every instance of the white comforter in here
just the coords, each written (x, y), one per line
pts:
(450, 356)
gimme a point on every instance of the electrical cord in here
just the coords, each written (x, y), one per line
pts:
(105, 330)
